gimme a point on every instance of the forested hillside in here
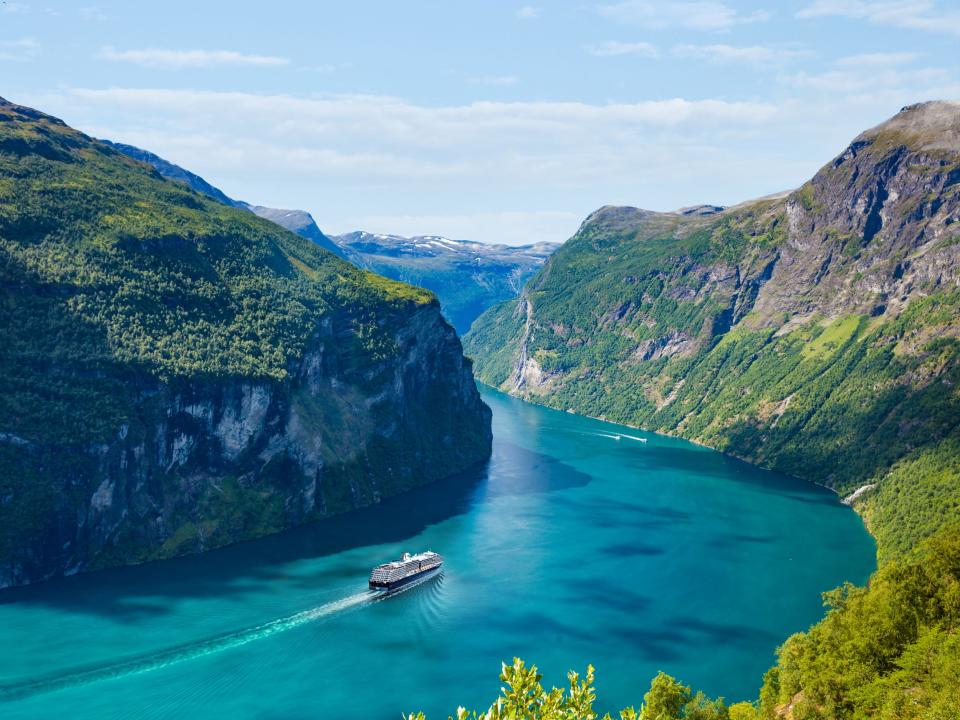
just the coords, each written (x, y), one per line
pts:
(816, 333)
(177, 374)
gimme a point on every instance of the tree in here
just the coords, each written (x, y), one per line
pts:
(743, 711)
(703, 708)
(665, 700)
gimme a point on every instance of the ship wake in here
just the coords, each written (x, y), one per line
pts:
(190, 651)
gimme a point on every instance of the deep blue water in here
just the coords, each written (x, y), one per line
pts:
(577, 543)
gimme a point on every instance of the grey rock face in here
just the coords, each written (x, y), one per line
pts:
(205, 464)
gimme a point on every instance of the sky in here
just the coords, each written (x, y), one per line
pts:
(492, 121)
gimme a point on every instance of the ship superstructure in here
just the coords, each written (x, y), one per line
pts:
(392, 575)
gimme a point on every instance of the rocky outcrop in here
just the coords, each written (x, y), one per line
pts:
(201, 464)
(177, 374)
(814, 332)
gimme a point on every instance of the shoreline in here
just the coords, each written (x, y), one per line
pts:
(848, 500)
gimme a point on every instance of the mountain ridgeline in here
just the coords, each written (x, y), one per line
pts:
(816, 333)
(179, 374)
(468, 277)
(298, 221)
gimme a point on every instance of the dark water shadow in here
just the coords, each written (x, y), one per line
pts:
(628, 550)
(608, 595)
(679, 636)
(131, 594)
(677, 454)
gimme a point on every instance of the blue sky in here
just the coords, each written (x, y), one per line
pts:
(494, 121)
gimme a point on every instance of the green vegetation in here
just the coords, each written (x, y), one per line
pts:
(919, 494)
(524, 698)
(122, 292)
(826, 347)
(887, 652)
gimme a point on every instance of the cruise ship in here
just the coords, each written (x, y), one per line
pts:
(393, 575)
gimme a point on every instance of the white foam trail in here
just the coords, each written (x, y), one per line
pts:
(634, 437)
(607, 435)
(190, 651)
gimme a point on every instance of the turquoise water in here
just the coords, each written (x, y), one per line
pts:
(577, 543)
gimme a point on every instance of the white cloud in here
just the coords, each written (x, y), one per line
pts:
(157, 57)
(881, 59)
(911, 14)
(496, 80)
(367, 143)
(738, 54)
(13, 8)
(18, 50)
(387, 164)
(707, 15)
(528, 12)
(919, 84)
(613, 47)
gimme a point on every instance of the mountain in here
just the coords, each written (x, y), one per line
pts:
(298, 221)
(174, 172)
(177, 374)
(816, 333)
(468, 277)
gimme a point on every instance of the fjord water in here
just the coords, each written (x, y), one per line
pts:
(577, 543)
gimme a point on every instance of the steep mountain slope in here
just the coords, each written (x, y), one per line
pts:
(468, 277)
(817, 333)
(814, 333)
(177, 374)
(298, 221)
(174, 172)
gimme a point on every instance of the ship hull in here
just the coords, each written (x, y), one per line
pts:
(403, 582)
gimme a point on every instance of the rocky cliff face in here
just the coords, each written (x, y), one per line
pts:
(200, 464)
(813, 332)
(177, 374)
(875, 227)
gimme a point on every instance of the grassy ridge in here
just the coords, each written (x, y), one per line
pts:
(817, 334)
(120, 291)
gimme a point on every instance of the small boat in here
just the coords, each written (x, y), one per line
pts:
(404, 571)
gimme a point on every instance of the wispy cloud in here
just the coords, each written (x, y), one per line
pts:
(726, 54)
(14, 8)
(707, 15)
(287, 150)
(612, 48)
(879, 73)
(879, 59)
(377, 139)
(161, 58)
(528, 12)
(18, 50)
(911, 14)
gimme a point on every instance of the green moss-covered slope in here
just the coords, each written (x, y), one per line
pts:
(816, 333)
(176, 374)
